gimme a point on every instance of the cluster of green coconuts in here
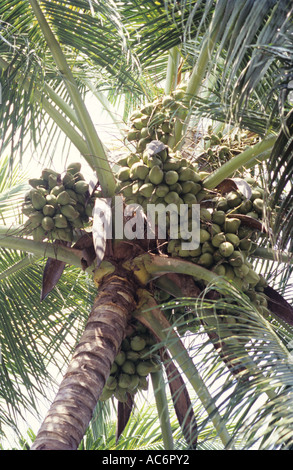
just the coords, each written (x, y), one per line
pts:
(134, 362)
(221, 146)
(218, 144)
(155, 120)
(226, 242)
(57, 205)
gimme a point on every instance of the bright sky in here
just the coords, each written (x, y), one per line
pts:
(107, 131)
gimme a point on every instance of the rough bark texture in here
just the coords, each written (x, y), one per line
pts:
(79, 391)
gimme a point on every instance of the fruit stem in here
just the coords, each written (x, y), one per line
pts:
(162, 407)
(172, 70)
(151, 316)
(42, 249)
(194, 85)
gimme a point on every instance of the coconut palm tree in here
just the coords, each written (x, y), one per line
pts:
(179, 62)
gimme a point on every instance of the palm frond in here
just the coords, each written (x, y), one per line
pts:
(101, 25)
(13, 184)
(243, 358)
(34, 334)
(280, 185)
(142, 431)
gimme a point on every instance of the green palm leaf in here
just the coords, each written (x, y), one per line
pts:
(256, 363)
(31, 332)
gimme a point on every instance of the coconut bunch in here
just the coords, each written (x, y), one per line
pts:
(185, 318)
(158, 175)
(132, 365)
(221, 147)
(57, 204)
(155, 120)
(227, 233)
(230, 219)
(228, 238)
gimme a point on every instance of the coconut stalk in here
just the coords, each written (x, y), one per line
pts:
(162, 408)
(194, 85)
(148, 267)
(172, 70)
(72, 409)
(149, 314)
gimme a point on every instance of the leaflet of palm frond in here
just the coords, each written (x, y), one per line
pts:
(255, 120)
(280, 170)
(124, 410)
(181, 400)
(284, 224)
(16, 102)
(113, 63)
(20, 80)
(23, 373)
(168, 24)
(278, 305)
(285, 201)
(235, 365)
(283, 80)
(273, 21)
(282, 157)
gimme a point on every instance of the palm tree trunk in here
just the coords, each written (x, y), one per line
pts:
(80, 389)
